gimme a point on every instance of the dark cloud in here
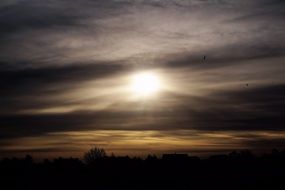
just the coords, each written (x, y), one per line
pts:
(219, 57)
(251, 110)
(31, 18)
(41, 15)
(263, 144)
(23, 88)
(25, 80)
(65, 66)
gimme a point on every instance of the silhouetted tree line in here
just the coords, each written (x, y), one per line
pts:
(97, 170)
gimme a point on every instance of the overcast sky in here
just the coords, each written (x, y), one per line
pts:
(66, 66)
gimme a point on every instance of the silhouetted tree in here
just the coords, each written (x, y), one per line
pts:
(29, 159)
(151, 158)
(94, 154)
(173, 171)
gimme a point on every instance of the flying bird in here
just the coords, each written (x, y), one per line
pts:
(204, 57)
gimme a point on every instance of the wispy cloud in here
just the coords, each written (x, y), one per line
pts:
(141, 143)
(65, 66)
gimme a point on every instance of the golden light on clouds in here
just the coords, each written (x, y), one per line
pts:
(139, 143)
(134, 73)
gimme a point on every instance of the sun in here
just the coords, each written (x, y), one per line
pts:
(145, 84)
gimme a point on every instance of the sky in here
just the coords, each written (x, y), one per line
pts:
(67, 67)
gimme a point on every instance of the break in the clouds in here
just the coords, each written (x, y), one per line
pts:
(65, 68)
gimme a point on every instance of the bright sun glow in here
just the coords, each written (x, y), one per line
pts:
(145, 84)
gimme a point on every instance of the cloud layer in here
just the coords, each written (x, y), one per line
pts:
(65, 67)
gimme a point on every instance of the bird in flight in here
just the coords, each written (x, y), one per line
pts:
(204, 57)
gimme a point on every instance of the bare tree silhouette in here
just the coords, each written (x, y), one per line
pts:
(94, 154)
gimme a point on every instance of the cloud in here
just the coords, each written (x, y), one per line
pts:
(250, 110)
(65, 66)
(60, 32)
(142, 143)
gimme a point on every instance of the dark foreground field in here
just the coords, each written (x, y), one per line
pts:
(238, 170)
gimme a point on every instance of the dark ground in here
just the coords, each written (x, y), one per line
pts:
(238, 170)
